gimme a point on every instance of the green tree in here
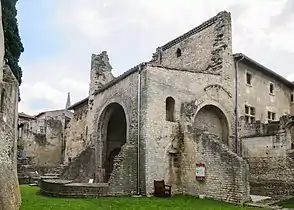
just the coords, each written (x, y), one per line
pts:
(12, 40)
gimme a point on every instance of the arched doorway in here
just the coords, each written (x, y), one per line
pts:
(113, 135)
(211, 119)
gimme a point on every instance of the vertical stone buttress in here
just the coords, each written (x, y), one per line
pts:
(9, 190)
(100, 75)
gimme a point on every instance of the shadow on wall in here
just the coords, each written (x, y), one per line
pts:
(212, 120)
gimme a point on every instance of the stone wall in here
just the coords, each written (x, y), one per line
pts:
(270, 157)
(272, 175)
(76, 133)
(9, 191)
(195, 80)
(81, 169)
(196, 71)
(226, 176)
(121, 94)
(63, 188)
(43, 138)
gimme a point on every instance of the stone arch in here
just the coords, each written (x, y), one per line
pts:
(113, 129)
(211, 118)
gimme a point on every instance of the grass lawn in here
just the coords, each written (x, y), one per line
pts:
(287, 203)
(31, 200)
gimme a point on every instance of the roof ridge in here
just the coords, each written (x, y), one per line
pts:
(265, 69)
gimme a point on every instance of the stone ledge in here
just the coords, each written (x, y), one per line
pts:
(273, 188)
(67, 188)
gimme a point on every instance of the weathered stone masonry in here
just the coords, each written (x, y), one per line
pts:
(43, 137)
(201, 77)
(9, 191)
(76, 133)
(268, 148)
(194, 71)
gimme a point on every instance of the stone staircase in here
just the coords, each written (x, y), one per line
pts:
(30, 174)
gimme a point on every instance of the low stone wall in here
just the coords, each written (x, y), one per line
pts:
(82, 168)
(66, 188)
(226, 176)
(271, 176)
(272, 188)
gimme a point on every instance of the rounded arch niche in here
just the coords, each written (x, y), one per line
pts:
(113, 135)
(210, 118)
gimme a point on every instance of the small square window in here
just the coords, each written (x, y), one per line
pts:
(249, 114)
(271, 116)
(252, 119)
(248, 78)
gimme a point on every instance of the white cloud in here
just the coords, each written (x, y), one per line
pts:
(130, 31)
(291, 77)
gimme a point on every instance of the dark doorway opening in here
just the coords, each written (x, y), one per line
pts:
(114, 133)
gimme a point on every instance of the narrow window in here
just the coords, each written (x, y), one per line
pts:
(248, 78)
(2, 101)
(170, 108)
(271, 88)
(269, 115)
(292, 97)
(273, 116)
(179, 52)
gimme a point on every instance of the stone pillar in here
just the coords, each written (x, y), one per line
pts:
(100, 75)
(9, 190)
(100, 72)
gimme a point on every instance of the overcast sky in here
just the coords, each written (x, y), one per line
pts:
(59, 37)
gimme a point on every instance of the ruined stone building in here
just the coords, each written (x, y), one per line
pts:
(41, 138)
(160, 118)
(195, 102)
(9, 191)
